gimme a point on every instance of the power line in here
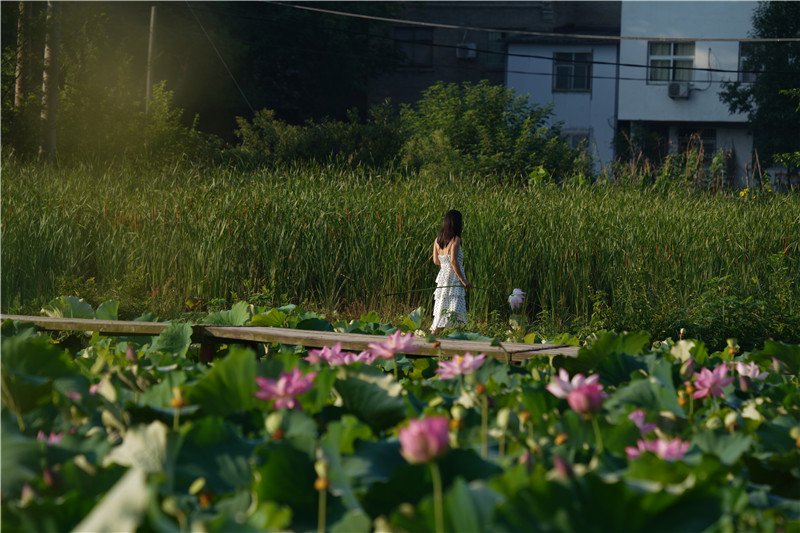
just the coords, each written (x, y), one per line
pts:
(535, 33)
(509, 54)
(221, 58)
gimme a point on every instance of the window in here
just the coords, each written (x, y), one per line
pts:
(746, 69)
(670, 61)
(414, 46)
(572, 71)
(578, 138)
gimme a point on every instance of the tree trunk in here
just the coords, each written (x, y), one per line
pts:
(21, 71)
(47, 139)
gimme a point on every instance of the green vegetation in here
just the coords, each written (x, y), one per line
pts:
(589, 257)
(134, 433)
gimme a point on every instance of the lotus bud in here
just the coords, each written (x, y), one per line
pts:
(458, 411)
(130, 354)
(687, 369)
(502, 417)
(732, 421)
(682, 333)
(274, 422)
(27, 495)
(562, 467)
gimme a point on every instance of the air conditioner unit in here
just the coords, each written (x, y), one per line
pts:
(466, 51)
(678, 90)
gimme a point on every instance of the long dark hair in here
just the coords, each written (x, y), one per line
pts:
(451, 228)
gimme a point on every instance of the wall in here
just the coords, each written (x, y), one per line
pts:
(640, 100)
(595, 110)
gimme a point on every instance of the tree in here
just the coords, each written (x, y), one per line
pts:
(773, 115)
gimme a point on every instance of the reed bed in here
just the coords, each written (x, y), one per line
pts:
(344, 239)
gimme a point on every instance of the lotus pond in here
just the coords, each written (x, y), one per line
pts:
(633, 434)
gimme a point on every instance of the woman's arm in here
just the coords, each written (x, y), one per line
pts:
(454, 261)
(435, 253)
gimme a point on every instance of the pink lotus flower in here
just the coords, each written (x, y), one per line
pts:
(94, 388)
(584, 395)
(587, 398)
(334, 356)
(396, 343)
(284, 390)
(460, 365)
(710, 383)
(750, 371)
(638, 418)
(516, 298)
(668, 450)
(53, 438)
(423, 440)
(73, 395)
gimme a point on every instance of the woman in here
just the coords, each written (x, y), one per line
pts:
(450, 303)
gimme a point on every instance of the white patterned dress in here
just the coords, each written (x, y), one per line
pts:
(449, 299)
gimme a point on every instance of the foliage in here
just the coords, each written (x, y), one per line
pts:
(268, 140)
(136, 433)
(179, 240)
(773, 116)
(491, 129)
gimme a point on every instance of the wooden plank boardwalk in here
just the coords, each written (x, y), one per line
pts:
(205, 334)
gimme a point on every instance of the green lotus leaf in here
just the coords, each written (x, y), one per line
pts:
(21, 459)
(214, 449)
(228, 387)
(68, 307)
(467, 507)
(272, 318)
(607, 345)
(174, 339)
(237, 315)
(372, 396)
(107, 310)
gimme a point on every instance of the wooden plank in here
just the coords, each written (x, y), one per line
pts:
(313, 339)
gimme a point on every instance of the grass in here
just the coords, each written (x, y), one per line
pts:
(620, 257)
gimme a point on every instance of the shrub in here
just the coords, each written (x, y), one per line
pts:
(491, 129)
(267, 139)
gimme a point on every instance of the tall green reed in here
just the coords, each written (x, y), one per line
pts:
(345, 238)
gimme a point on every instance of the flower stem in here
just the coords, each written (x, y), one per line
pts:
(598, 437)
(323, 501)
(396, 378)
(438, 504)
(176, 420)
(484, 427)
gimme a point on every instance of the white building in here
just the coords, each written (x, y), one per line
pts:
(671, 86)
(662, 76)
(579, 77)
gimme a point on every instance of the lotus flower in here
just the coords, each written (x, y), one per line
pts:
(460, 365)
(515, 298)
(284, 390)
(710, 383)
(638, 418)
(587, 398)
(583, 394)
(668, 450)
(96, 387)
(53, 438)
(751, 371)
(396, 343)
(423, 440)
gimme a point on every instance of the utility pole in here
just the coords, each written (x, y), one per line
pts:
(150, 46)
(52, 46)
